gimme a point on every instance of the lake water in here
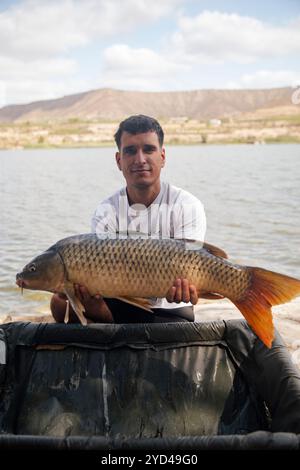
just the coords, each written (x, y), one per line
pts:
(251, 196)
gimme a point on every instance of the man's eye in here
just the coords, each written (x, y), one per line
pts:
(149, 149)
(130, 151)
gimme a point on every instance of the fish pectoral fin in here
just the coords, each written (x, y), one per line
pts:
(210, 295)
(75, 303)
(67, 313)
(140, 302)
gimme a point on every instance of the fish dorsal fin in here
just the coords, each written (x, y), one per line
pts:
(191, 244)
(140, 302)
(214, 250)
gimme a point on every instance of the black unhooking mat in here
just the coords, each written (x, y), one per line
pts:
(146, 386)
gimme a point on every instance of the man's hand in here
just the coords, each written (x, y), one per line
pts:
(83, 294)
(182, 291)
(95, 307)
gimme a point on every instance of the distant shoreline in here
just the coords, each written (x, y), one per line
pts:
(260, 127)
(177, 144)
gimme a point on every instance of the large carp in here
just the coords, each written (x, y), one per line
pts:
(137, 269)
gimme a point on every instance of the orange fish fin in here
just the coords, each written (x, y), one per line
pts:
(214, 250)
(267, 289)
(140, 302)
(210, 295)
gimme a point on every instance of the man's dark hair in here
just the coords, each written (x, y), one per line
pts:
(138, 125)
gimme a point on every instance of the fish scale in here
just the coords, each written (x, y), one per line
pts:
(147, 264)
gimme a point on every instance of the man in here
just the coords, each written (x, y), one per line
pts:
(146, 207)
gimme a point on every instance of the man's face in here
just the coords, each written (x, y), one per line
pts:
(140, 159)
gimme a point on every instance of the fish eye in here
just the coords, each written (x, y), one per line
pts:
(32, 268)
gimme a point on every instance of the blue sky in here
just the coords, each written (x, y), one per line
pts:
(51, 48)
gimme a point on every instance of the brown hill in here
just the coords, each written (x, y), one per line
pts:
(109, 104)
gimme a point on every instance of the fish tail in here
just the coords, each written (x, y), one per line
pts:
(266, 289)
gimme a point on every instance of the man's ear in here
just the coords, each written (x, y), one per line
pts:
(118, 160)
(163, 157)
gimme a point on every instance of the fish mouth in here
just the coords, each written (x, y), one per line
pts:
(20, 282)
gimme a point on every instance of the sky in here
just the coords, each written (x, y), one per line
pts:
(53, 48)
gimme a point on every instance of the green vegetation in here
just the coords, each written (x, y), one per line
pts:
(284, 139)
(291, 119)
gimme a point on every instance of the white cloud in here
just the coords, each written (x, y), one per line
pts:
(36, 37)
(35, 28)
(3, 94)
(266, 79)
(39, 40)
(209, 38)
(138, 69)
(214, 37)
(41, 79)
(35, 89)
(17, 69)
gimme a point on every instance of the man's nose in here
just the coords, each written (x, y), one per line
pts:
(140, 156)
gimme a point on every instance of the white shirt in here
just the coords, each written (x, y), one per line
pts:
(174, 213)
